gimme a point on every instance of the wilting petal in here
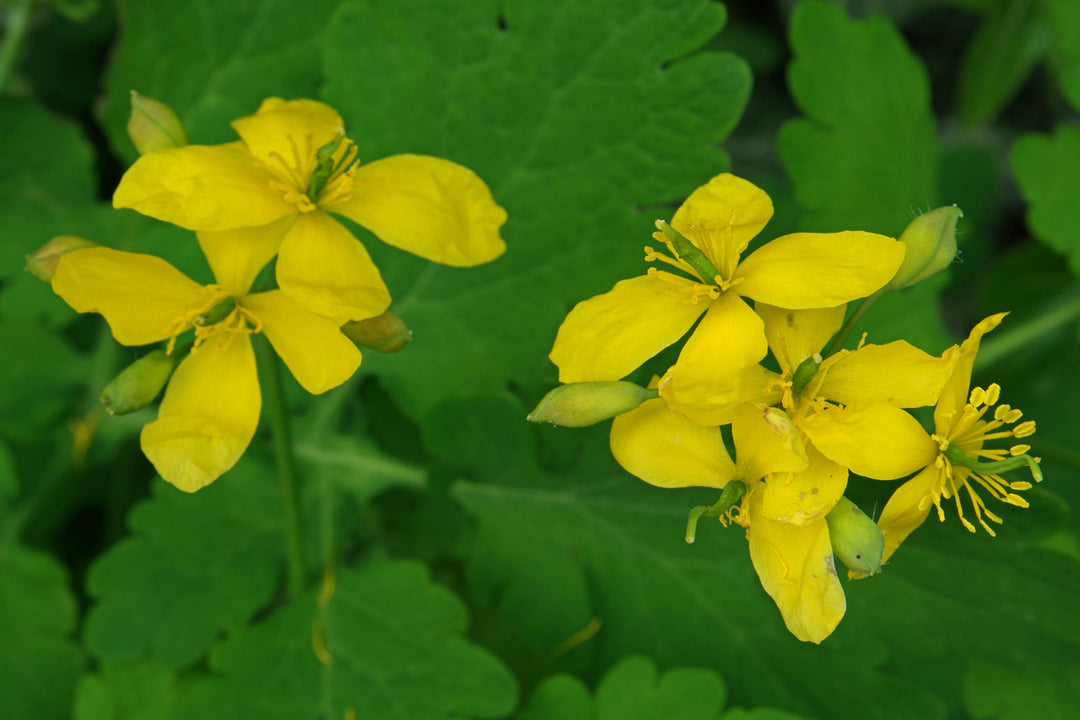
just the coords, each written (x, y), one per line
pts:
(237, 256)
(288, 129)
(795, 335)
(202, 187)
(665, 449)
(795, 565)
(313, 347)
(722, 216)
(139, 295)
(428, 206)
(801, 497)
(709, 379)
(609, 336)
(819, 270)
(957, 388)
(328, 272)
(208, 416)
(905, 510)
(897, 373)
(879, 441)
(766, 442)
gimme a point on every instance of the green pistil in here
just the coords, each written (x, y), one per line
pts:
(805, 373)
(324, 167)
(732, 495)
(216, 314)
(689, 253)
(957, 457)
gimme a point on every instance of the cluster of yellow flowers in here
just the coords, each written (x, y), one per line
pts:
(272, 193)
(798, 433)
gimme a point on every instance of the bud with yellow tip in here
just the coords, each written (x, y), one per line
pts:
(386, 333)
(154, 126)
(931, 246)
(587, 403)
(856, 539)
(139, 383)
(42, 262)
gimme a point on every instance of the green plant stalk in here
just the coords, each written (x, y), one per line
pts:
(851, 322)
(296, 575)
(998, 347)
(18, 21)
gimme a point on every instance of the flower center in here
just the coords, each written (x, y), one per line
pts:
(213, 313)
(312, 177)
(710, 254)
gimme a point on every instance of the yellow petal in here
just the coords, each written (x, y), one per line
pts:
(208, 416)
(287, 127)
(897, 373)
(818, 270)
(237, 256)
(709, 378)
(722, 216)
(665, 449)
(795, 565)
(957, 388)
(902, 514)
(201, 187)
(879, 441)
(139, 295)
(428, 206)
(795, 335)
(328, 272)
(313, 347)
(802, 497)
(609, 336)
(766, 441)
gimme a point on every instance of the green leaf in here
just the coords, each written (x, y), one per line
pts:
(39, 371)
(39, 663)
(1063, 17)
(1047, 692)
(576, 113)
(397, 651)
(197, 565)
(127, 692)
(1047, 168)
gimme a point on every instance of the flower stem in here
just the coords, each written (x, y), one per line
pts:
(851, 322)
(18, 19)
(1001, 345)
(286, 466)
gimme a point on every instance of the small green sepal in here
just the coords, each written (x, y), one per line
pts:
(154, 126)
(42, 262)
(856, 539)
(587, 403)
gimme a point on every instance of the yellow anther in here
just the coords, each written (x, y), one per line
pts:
(993, 393)
(978, 395)
(1024, 429)
(1019, 449)
(1013, 415)
(1000, 412)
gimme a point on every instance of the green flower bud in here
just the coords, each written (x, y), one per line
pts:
(856, 539)
(139, 383)
(931, 246)
(587, 403)
(154, 126)
(42, 262)
(386, 333)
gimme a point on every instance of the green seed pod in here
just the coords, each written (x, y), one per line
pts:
(386, 333)
(931, 246)
(856, 539)
(154, 126)
(587, 403)
(139, 383)
(42, 262)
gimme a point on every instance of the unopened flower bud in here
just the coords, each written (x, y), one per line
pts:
(154, 126)
(856, 539)
(139, 383)
(42, 262)
(931, 246)
(386, 333)
(587, 403)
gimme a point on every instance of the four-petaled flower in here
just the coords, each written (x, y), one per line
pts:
(277, 185)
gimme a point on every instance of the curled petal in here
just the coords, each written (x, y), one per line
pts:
(819, 270)
(328, 272)
(428, 206)
(795, 565)
(665, 449)
(319, 356)
(795, 335)
(237, 256)
(879, 441)
(609, 336)
(955, 393)
(208, 416)
(288, 129)
(897, 373)
(201, 187)
(138, 295)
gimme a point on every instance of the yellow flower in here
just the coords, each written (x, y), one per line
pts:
(790, 489)
(277, 185)
(211, 407)
(608, 336)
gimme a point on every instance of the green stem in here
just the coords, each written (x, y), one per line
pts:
(998, 347)
(731, 495)
(851, 322)
(18, 20)
(286, 466)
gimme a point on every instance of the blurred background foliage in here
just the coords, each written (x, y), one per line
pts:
(488, 568)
